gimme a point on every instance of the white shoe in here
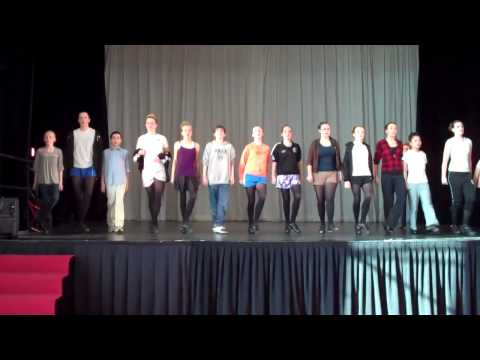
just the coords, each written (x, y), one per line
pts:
(219, 230)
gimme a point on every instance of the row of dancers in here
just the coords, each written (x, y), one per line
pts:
(403, 171)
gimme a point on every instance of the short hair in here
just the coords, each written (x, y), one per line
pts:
(116, 133)
(49, 132)
(220, 127)
(388, 124)
(357, 126)
(151, 116)
(185, 123)
(323, 123)
(284, 126)
(452, 124)
(412, 135)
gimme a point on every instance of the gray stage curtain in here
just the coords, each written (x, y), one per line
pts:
(244, 86)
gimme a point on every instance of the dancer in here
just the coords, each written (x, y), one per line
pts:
(218, 175)
(152, 154)
(358, 176)
(253, 171)
(414, 163)
(389, 151)
(48, 179)
(457, 155)
(324, 172)
(83, 158)
(185, 173)
(116, 167)
(286, 175)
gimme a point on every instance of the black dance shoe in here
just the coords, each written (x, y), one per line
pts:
(468, 231)
(294, 227)
(455, 229)
(331, 228)
(322, 229)
(251, 230)
(287, 229)
(433, 229)
(358, 229)
(365, 228)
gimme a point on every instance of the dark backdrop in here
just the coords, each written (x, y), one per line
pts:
(70, 79)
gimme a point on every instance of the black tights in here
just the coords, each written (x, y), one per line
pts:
(357, 196)
(253, 211)
(186, 207)
(297, 192)
(155, 193)
(83, 189)
(326, 196)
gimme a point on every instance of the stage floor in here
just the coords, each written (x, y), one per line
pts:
(136, 231)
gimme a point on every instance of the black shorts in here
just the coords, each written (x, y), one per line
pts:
(361, 180)
(186, 183)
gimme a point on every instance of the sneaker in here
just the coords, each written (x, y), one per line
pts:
(111, 229)
(413, 231)
(388, 230)
(294, 227)
(219, 230)
(322, 229)
(468, 231)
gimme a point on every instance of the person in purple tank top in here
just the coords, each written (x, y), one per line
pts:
(186, 173)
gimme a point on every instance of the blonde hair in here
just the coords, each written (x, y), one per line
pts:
(50, 132)
(185, 123)
(152, 116)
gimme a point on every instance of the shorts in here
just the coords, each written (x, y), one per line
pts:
(325, 177)
(361, 180)
(186, 183)
(253, 180)
(287, 181)
(87, 172)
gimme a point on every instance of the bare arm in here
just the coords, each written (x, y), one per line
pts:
(174, 163)
(476, 175)
(274, 173)
(405, 170)
(446, 157)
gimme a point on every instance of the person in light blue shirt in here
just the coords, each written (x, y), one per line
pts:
(115, 171)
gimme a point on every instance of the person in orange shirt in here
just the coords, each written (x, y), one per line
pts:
(253, 171)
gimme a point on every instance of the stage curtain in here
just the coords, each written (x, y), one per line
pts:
(243, 86)
(181, 278)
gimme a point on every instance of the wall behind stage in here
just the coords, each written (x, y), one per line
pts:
(244, 86)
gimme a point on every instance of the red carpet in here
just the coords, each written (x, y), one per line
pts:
(31, 284)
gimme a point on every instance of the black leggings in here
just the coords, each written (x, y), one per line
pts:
(326, 196)
(254, 212)
(155, 193)
(393, 189)
(83, 190)
(297, 192)
(186, 207)
(461, 188)
(365, 184)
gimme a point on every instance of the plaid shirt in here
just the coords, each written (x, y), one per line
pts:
(390, 163)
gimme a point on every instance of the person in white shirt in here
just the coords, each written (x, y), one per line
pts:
(152, 153)
(458, 150)
(414, 171)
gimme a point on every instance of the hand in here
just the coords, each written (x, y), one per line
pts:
(102, 187)
(60, 187)
(126, 188)
(141, 152)
(444, 181)
(232, 180)
(274, 180)
(377, 180)
(340, 176)
(348, 185)
(205, 181)
(172, 181)
(309, 178)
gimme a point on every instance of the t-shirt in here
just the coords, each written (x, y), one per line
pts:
(83, 148)
(460, 150)
(153, 167)
(254, 160)
(48, 165)
(416, 162)
(360, 163)
(287, 158)
(218, 159)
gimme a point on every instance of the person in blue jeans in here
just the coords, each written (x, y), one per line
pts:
(414, 164)
(218, 174)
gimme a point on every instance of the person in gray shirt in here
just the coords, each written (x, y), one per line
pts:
(218, 175)
(48, 180)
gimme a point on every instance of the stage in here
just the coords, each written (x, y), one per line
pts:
(268, 273)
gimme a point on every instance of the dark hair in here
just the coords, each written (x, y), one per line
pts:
(388, 124)
(115, 133)
(412, 135)
(323, 123)
(220, 127)
(452, 124)
(357, 126)
(284, 126)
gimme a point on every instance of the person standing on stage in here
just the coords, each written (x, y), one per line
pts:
(219, 175)
(389, 151)
(83, 158)
(286, 175)
(186, 173)
(414, 163)
(152, 155)
(457, 155)
(116, 167)
(358, 176)
(48, 179)
(253, 172)
(324, 172)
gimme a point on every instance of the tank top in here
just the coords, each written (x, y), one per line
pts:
(186, 162)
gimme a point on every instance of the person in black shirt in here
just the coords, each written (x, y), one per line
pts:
(286, 175)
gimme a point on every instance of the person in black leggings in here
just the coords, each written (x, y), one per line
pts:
(457, 154)
(357, 175)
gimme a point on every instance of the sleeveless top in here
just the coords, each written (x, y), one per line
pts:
(186, 162)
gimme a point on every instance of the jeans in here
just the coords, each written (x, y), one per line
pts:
(421, 192)
(219, 195)
(393, 185)
(48, 195)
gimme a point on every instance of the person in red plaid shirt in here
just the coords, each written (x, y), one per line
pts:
(389, 151)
